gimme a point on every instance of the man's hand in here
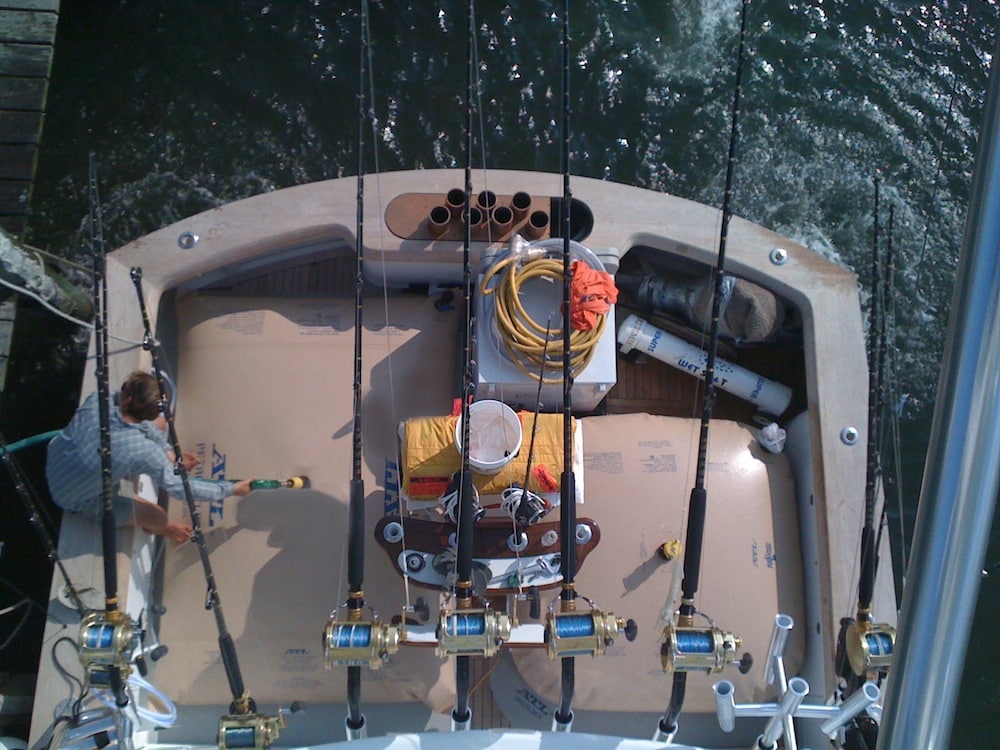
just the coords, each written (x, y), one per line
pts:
(177, 532)
(191, 460)
(242, 488)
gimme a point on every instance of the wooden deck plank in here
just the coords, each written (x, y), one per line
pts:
(21, 94)
(20, 127)
(27, 35)
(27, 26)
(51, 6)
(25, 60)
(13, 195)
(17, 161)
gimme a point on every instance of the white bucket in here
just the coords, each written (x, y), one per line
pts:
(770, 397)
(494, 436)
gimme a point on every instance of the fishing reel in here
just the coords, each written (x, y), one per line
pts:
(472, 632)
(524, 506)
(359, 643)
(449, 500)
(686, 648)
(253, 731)
(106, 642)
(870, 647)
(573, 633)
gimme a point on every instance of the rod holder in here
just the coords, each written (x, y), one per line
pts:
(520, 202)
(775, 728)
(355, 733)
(791, 695)
(538, 224)
(783, 625)
(663, 735)
(477, 218)
(501, 220)
(562, 726)
(725, 705)
(486, 200)
(461, 726)
(455, 202)
(861, 700)
(438, 220)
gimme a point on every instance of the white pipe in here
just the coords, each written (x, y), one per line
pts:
(768, 396)
(665, 737)
(725, 705)
(779, 642)
(163, 719)
(797, 690)
(461, 726)
(868, 694)
(562, 727)
(361, 733)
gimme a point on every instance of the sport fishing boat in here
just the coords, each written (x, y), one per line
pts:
(498, 515)
(253, 306)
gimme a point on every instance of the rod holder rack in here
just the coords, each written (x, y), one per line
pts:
(788, 705)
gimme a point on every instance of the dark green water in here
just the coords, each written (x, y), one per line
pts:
(188, 104)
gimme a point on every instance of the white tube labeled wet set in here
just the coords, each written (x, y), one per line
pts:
(768, 396)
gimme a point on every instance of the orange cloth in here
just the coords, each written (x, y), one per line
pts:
(592, 293)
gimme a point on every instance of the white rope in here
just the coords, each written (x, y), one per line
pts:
(164, 719)
(47, 305)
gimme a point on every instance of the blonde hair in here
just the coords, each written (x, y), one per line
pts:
(140, 396)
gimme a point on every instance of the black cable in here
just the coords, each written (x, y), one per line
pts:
(37, 519)
(26, 603)
(63, 672)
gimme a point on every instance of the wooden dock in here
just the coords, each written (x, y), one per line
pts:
(27, 37)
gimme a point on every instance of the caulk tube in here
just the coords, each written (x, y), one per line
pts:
(768, 396)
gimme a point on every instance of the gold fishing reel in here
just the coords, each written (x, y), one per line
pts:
(573, 633)
(472, 632)
(870, 647)
(249, 731)
(686, 648)
(106, 642)
(359, 643)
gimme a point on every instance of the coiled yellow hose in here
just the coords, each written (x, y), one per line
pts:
(525, 338)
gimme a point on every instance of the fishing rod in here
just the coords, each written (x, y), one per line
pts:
(686, 647)
(107, 638)
(889, 390)
(464, 631)
(27, 497)
(568, 632)
(243, 724)
(562, 719)
(865, 646)
(355, 642)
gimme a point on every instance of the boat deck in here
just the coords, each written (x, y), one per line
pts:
(278, 555)
(263, 361)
